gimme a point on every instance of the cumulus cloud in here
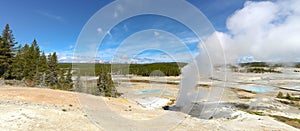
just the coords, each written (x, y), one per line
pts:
(268, 31)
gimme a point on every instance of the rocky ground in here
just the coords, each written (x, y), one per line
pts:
(41, 109)
(23, 108)
(244, 105)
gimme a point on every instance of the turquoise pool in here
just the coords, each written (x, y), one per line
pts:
(258, 89)
(153, 91)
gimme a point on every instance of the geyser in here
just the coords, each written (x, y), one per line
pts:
(210, 63)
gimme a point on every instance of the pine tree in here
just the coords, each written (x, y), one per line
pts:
(42, 63)
(7, 43)
(61, 80)
(32, 60)
(52, 76)
(42, 69)
(5, 58)
(105, 85)
(8, 36)
(36, 60)
(69, 81)
(30, 64)
(27, 59)
(18, 64)
(65, 81)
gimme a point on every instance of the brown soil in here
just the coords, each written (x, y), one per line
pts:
(40, 96)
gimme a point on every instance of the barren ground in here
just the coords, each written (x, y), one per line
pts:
(25, 108)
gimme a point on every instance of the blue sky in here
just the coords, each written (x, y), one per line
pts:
(56, 24)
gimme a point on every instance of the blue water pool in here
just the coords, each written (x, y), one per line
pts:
(258, 89)
(153, 91)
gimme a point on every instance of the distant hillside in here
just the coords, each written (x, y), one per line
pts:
(270, 64)
(168, 69)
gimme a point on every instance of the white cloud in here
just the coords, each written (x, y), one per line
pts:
(265, 30)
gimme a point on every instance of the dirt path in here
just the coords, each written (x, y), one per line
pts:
(109, 115)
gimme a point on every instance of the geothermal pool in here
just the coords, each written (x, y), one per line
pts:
(257, 88)
(153, 91)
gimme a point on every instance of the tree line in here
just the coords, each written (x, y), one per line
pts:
(166, 69)
(31, 65)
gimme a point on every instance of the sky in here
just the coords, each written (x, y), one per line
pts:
(57, 26)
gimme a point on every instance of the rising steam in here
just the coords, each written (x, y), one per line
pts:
(266, 31)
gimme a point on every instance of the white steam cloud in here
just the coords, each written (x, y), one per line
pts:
(268, 31)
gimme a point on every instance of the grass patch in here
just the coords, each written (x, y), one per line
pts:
(289, 100)
(244, 97)
(289, 121)
(296, 105)
(254, 112)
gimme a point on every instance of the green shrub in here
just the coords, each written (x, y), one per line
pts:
(280, 95)
(289, 121)
(254, 112)
(8, 83)
(289, 97)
